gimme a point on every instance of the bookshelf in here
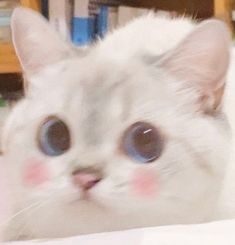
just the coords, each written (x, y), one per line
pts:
(203, 9)
(222, 10)
(8, 60)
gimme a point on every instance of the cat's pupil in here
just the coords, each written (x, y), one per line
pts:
(54, 137)
(143, 142)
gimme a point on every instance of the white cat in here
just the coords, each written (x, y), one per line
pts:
(127, 133)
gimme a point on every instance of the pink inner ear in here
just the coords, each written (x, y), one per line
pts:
(36, 172)
(144, 183)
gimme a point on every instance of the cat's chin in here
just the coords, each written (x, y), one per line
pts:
(85, 196)
(95, 198)
(89, 200)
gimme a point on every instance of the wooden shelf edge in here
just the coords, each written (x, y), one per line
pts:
(8, 60)
(33, 4)
(222, 10)
(9, 68)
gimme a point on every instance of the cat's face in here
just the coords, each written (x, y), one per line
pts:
(101, 144)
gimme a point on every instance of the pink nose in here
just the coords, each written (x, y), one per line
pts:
(85, 180)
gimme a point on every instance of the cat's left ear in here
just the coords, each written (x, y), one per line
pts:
(36, 44)
(201, 61)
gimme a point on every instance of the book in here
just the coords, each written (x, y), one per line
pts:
(84, 22)
(107, 20)
(126, 14)
(60, 17)
(102, 21)
(5, 32)
(107, 2)
(8, 4)
(6, 8)
(112, 18)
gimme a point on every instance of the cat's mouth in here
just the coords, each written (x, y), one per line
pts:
(88, 198)
(84, 197)
(88, 195)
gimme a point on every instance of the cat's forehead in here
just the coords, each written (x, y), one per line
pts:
(83, 73)
(107, 79)
(92, 89)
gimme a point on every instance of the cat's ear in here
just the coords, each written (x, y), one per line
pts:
(36, 44)
(201, 60)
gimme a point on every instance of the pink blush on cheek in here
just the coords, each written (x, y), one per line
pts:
(35, 173)
(144, 183)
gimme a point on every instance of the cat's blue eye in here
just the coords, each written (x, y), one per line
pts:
(53, 137)
(143, 142)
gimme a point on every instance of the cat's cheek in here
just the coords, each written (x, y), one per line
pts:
(144, 183)
(35, 173)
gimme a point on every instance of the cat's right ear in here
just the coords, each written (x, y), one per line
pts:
(200, 63)
(36, 44)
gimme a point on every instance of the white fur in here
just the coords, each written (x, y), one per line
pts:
(227, 200)
(193, 163)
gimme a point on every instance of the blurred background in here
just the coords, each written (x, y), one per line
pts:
(83, 21)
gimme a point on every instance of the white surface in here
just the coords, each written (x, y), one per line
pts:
(213, 233)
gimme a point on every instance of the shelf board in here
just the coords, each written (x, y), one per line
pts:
(8, 60)
(33, 4)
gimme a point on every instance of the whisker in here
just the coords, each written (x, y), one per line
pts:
(19, 213)
(26, 209)
(33, 209)
(22, 211)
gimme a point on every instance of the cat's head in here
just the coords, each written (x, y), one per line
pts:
(101, 142)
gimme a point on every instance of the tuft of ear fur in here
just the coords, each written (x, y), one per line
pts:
(201, 61)
(36, 44)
